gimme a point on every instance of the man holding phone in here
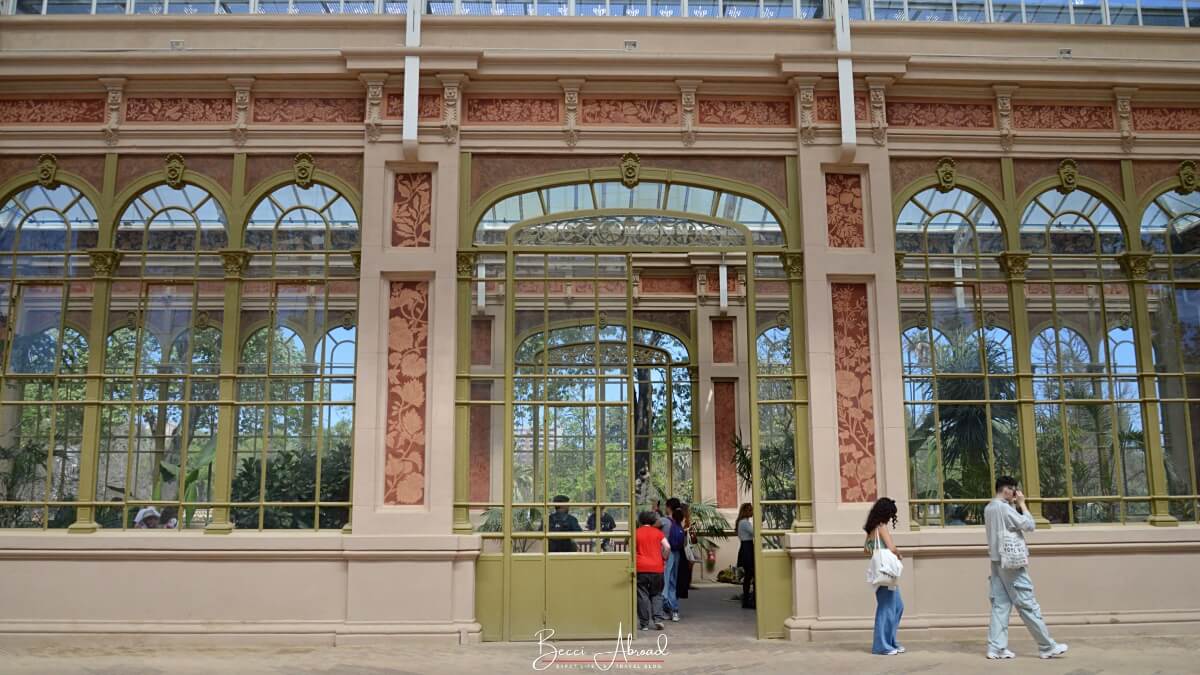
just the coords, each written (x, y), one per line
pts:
(1007, 513)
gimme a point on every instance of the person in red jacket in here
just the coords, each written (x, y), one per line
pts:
(652, 552)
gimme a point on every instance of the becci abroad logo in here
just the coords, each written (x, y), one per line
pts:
(623, 657)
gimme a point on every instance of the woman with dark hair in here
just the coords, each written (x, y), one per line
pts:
(888, 605)
(745, 560)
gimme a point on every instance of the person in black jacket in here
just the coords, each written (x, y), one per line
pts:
(562, 521)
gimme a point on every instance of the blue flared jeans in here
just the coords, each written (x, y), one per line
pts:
(888, 610)
(670, 592)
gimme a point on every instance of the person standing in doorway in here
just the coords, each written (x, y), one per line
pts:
(677, 539)
(561, 520)
(745, 559)
(1006, 514)
(889, 607)
(652, 552)
(684, 580)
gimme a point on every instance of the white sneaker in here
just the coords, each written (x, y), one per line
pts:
(1059, 650)
(674, 616)
(1001, 655)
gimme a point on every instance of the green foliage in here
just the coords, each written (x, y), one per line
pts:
(291, 477)
(777, 474)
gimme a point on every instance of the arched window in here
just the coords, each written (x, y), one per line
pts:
(295, 386)
(961, 415)
(1170, 231)
(44, 304)
(1087, 418)
(158, 439)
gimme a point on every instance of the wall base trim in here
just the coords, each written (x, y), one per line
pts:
(325, 633)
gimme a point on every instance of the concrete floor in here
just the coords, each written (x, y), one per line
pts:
(715, 636)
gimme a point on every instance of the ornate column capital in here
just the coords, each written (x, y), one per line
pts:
(115, 86)
(876, 87)
(241, 108)
(465, 265)
(1124, 97)
(452, 86)
(356, 259)
(1136, 265)
(806, 100)
(373, 123)
(687, 106)
(104, 261)
(1008, 135)
(793, 264)
(1014, 264)
(235, 261)
(571, 105)
(900, 256)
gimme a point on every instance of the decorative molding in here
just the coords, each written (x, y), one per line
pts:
(571, 102)
(174, 169)
(451, 105)
(1063, 117)
(348, 319)
(736, 112)
(235, 262)
(241, 108)
(660, 112)
(1068, 176)
(853, 370)
(946, 171)
(309, 110)
(179, 110)
(687, 101)
(631, 170)
(407, 397)
(303, 167)
(465, 264)
(52, 111)
(845, 220)
(1004, 114)
(374, 117)
(1189, 182)
(900, 264)
(47, 171)
(113, 101)
(806, 104)
(793, 264)
(412, 210)
(940, 115)
(1014, 264)
(104, 261)
(1124, 96)
(1166, 118)
(513, 110)
(356, 260)
(1136, 265)
(879, 115)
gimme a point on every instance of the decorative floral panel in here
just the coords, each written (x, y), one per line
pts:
(646, 111)
(855, 397)
(429, 107)
(724, 431)
(407, 376)
(1166, 119)
(722, 341)
(185, 110)
(651, 231)
(844, 210)
(1068, 117)
(828, 108)
(412, 210)
(731, 112)
(668, 285)
(52, 111)
(310, 110)
(514, 111)
(940, 115)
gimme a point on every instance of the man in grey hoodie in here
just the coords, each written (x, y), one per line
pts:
(1007, 513)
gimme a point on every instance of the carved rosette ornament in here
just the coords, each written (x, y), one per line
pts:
(374, 120)
(1015, 264)
(47, 171)
(631, 170)
(793, 264)
(946, 171)
(303, 168)
(235, 262)
(1189, 182)
(451, 105)
(1004, 116)
(687, 104)
(113, 102)
(1068, 176)
(1136, 265)
(1125, 117)
(465, 263)
(174, 170)
(104, 262)
(241, 109)
(878, 113)
(571, 100)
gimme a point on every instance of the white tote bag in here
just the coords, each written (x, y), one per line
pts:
(1014, 554)
(885, 568)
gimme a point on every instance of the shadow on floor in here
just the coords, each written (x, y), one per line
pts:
(711, 612)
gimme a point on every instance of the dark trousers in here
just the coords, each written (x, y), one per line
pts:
(746, 562)
(650, 596)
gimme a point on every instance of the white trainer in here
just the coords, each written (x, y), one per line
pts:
(1001, 655)
(1059, 650)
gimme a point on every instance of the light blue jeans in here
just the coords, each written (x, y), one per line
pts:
(670, 593)
(889, 607)
(1008, 588)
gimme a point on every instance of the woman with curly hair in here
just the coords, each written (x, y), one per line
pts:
(888, 605)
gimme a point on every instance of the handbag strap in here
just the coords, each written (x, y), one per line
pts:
(878, 541)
